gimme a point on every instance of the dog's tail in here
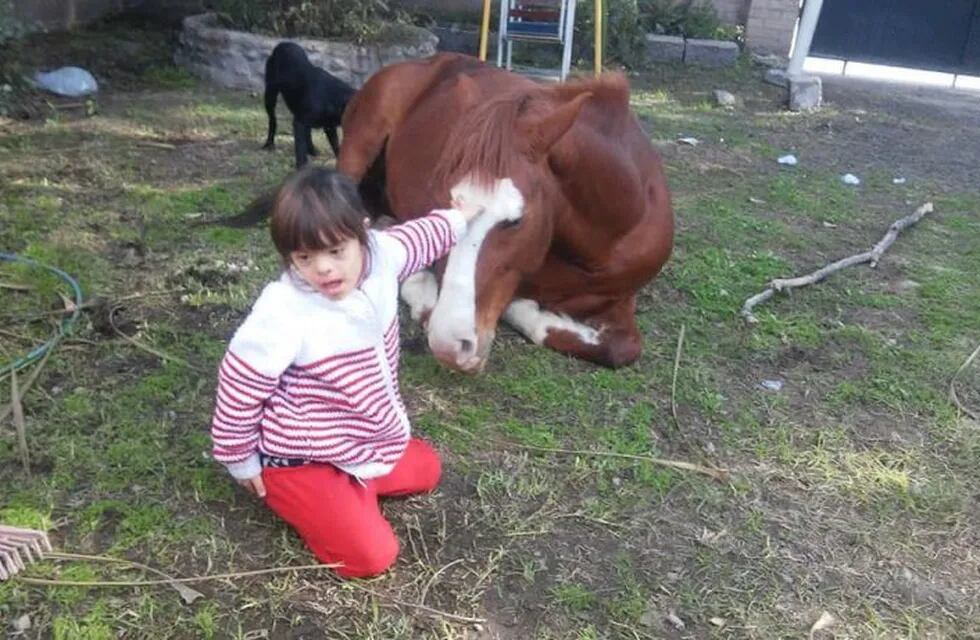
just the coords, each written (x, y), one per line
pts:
(257, 211)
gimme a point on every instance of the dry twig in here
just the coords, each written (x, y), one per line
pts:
(673, 382)
(872, 256)
(952, 385)
(163, 355)
(721, 475)
(6, 409)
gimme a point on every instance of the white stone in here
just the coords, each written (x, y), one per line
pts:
(724, 98)
(805, 93)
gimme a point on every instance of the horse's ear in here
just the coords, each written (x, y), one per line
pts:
(548, 130)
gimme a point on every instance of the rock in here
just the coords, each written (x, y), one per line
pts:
(776, 77)
(769, 60)
(724, 98)
(710, 53)
(665, 48)
(805, 93)
(22, 624)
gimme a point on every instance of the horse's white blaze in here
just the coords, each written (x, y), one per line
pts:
(527, 317)
(420, 291)
(454, 317)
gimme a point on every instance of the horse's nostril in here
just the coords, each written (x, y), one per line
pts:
(467, 347)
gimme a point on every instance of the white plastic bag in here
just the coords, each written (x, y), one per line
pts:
(67, 81)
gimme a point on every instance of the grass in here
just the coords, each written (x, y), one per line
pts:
(852, 485)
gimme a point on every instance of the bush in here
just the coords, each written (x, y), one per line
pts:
(687, 18)
(353, 20)
(622, 36)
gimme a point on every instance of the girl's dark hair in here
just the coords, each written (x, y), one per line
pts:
(315, 209)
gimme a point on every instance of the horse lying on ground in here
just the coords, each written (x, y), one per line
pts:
(593, 221)
(315, 98)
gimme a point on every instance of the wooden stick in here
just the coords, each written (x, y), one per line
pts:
(952, 384)
(19, 425)
(872, 256)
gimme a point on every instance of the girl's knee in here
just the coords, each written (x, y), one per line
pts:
(369, 560)
(428, 467)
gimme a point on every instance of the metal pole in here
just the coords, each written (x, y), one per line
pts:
(598, 36)
(804, 37)
(485, 30)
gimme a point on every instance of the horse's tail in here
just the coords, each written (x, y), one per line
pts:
(257, 211)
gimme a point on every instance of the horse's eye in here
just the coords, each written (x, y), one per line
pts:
(509, 224)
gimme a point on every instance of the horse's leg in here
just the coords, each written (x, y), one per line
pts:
(332, 139)
(381, 104)
(271, 94)
(609, 338)
(301, 134)
(420, 291)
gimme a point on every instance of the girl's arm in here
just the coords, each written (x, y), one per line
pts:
(262, 348)
(420, 242)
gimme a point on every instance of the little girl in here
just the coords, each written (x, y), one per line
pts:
(308, 413)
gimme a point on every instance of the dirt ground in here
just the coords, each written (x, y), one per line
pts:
(851, 506)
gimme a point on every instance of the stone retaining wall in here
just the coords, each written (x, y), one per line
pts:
(236, 59)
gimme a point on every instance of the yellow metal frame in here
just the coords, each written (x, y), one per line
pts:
(485, 33)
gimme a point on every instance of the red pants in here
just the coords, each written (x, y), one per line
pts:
(339, 518)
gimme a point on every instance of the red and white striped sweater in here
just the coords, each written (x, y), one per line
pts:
(314, 378)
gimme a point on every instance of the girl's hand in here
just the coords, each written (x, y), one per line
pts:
(469, 212)
(254, 485)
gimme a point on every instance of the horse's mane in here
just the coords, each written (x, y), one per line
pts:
(484, 142)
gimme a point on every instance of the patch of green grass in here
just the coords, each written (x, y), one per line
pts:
(815, 196)
(574, 597)
(719, 280)
(170, 77)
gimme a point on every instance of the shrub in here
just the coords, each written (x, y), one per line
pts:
(353, 20)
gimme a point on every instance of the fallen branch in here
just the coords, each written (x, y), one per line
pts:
(872, 256)
(952, 385)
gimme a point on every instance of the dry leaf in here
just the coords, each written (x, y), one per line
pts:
(824, 621)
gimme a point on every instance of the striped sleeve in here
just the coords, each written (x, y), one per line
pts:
(420, 242)
(262, 348)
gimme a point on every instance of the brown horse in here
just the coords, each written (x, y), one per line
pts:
(563, 259)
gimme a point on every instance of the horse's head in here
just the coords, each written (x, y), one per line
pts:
(496, 158)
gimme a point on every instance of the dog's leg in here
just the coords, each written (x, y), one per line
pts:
(332, 139)
(301, 136)
(270, 108)
(309, 142)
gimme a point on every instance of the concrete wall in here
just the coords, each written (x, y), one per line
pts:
(771, 24)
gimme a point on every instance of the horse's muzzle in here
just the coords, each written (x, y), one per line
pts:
(465, 353)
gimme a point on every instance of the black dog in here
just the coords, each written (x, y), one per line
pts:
(315, 98)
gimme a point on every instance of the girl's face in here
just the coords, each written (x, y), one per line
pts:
(334, 271)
